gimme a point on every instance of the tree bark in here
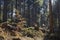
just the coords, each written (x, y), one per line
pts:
(5, 11)
(50, 16)
(0, 9)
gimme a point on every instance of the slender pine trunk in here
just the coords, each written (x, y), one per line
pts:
(50, 16)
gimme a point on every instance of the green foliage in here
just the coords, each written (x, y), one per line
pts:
(40, 2)
(32, 32)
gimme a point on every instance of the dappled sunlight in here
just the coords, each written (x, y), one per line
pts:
(29, 20)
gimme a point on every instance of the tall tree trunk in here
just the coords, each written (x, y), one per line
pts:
(5, 11)
(11, 11)
(50, 16)
(0, 9)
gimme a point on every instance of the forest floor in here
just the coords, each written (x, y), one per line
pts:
(24, 34)
(19, 31)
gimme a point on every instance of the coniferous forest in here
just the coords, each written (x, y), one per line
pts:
(29, 20)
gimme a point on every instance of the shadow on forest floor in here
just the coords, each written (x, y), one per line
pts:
(52, 36)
